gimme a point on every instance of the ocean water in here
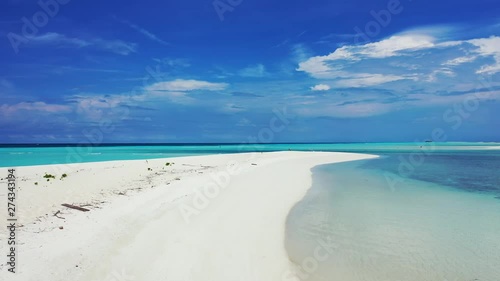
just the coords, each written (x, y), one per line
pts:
(27, 155)
(408, 216)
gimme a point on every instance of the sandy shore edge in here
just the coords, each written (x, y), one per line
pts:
(217, 217)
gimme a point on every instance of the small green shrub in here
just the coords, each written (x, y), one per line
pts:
(49, 176)
(64, 176)
(36, 183)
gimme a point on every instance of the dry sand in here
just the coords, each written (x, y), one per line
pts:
(218, 217)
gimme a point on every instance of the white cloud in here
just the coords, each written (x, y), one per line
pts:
(300, 53)
(370, 103)
(368, 79)
(115, 46)
(389, 60)
(143, 31)
(96, 107)
(174, 62)
(56, 38)
(488, 47)
(394, 46)
(443, 71)
(258, 70)
(320, 87)
(321, 66)
(6, 109)
(181, 85)
(460, 60)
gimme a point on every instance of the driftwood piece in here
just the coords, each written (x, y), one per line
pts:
(75, 207)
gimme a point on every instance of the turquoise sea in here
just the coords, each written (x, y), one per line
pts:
(26, 155)
(406, 216)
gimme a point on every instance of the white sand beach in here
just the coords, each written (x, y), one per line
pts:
(218, 217)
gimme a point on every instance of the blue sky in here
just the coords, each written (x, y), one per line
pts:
(248, 71)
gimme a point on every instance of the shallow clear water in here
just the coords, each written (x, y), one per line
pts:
(437, 218)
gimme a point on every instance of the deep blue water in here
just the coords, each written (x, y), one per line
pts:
(477, 171)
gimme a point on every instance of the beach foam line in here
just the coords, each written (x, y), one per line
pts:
(217, 217)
